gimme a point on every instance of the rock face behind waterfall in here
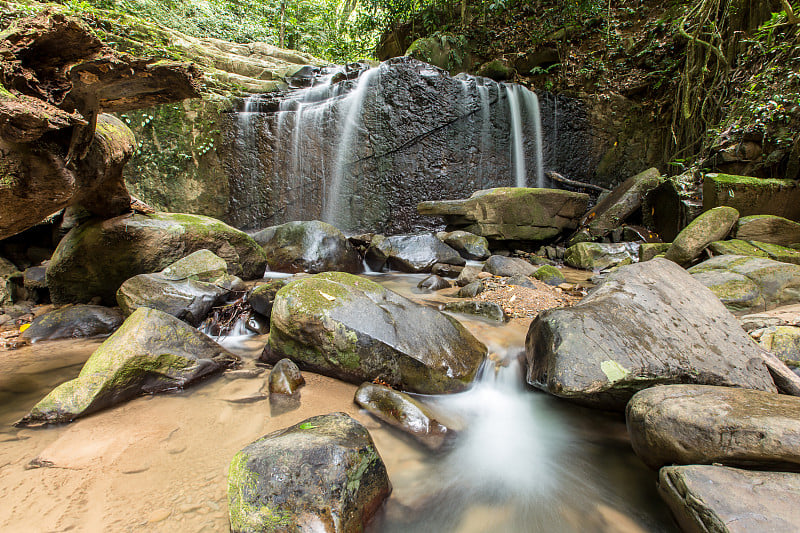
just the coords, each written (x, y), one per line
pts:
(508, 213)
(647, 324)
(353, 329)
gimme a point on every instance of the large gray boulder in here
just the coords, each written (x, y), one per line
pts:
(499, 265)
(749, 284)
(95, 258)
(646, 324)
(186, 299)
(728, 500)
(308, 246)
(74, 321)
(323, 474)
(411, 253)
(353, 329)
(512, 213)
(469, 245)
(151, 352)
(701, 424)
(713, 225)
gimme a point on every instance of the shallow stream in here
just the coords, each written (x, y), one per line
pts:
(522, 462)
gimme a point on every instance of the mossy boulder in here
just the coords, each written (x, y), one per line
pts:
(321, 474)
(351, 328)
(752, 196)
(750, 284)
(784, 342)
(735, 247)
(446, 51)
(469, 245)
(308, 246)
(778, 252)
(151, 352)
(411, 253)
(74, 321)
(647, 324)
(600, 256)
(202, 265)
(713, 225)
(512, 213)
(404, 412)
(649, 250)
(768, 228)
(95, 258)
(497, 69)
(550, 275)
(693, 424)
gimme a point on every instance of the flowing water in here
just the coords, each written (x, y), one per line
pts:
(522, 462)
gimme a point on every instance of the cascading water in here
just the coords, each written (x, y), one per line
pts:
(517, 151)
(530, 102)
(532, 106)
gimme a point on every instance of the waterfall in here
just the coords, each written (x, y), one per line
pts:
(532, 105)
(483, 97)
(351, 110)
(517, 146)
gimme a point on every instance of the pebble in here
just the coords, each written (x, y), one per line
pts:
(158, 515)
(189, 507)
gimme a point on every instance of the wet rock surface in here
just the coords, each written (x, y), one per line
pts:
(262, 296)
(729, 500)
(353, 329)
(151, 352)
(95, 258)
(469, 245)
(186, 299)
(434, 283)
(285, 378)
(323, 474)
(713, 225)
(411, 253)
(74, 321)
(308, 246)
(599, 256)
(646, 324)
(405, 413)
(488, 310)
(700, 424)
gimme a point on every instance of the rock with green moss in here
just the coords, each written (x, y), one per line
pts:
(713, 225)
(649, 250)
(262, 296)
(768, 228)
(446, 51)
(599, 255)
(750, 284)
(752, 196)
(784, 342)
(351, 328)
(308, 246)
(404, 412)
(735, 247)
(497, 69)
(151, 352)
(612, 211)
(186, 299)
(550, 275)
(7, 268)
(74, 321)
(321, 474)
(512, 213)
(469, 245)
(202, 265)
(411, 253)
(647, 324)
(778, 252)
(95, 258)
(488, 310)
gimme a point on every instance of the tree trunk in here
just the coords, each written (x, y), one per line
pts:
(283, 23)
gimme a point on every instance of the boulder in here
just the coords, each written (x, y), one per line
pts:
(445, 51)
(735, 247)
(752, 196)
(468, 275)
(186, 299)
(308, 246)
(285, 378)
(323, 474)
(701, 424)
(508, 266)
(151, 352)
(34, 278)
(471, 290)
(729, 500)
(411, 253)
(768, 228)
(646, 324)
(648, 250)
(202, 265)
(403, 412)
(469, 245)
(749, 284)
(600, 256)
(262, 296)
(713, 225)
(549, 275)
(497, 69)
(433, 283)
(783, 342)
(447, 271)
(353, 329)
(95, 258)
(512, 213)
(521, 281)
(487, 310)
(610, 212)
(778, 252)
(74, 321)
